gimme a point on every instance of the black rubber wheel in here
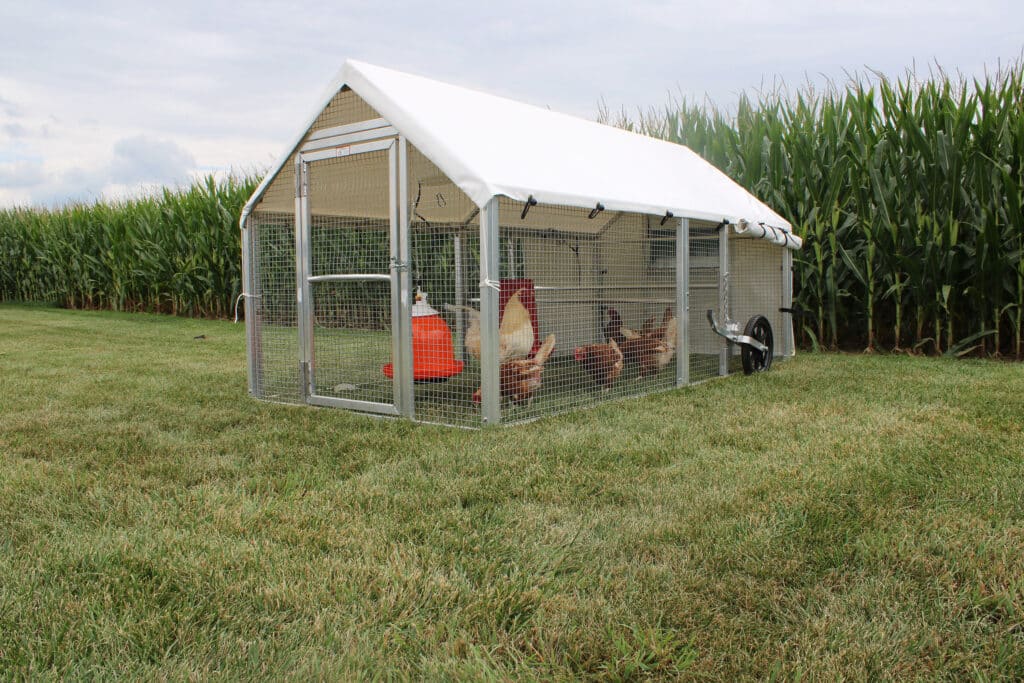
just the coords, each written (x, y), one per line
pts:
(760, 329)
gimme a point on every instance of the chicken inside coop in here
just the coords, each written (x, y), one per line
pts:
(515, 331)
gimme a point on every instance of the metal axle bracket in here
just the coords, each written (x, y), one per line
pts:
(731, 331)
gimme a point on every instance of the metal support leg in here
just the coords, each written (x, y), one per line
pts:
(460, 316)
(788, 344)
(723, 295)
(490, 262)
(400, 235)
(303, 268)
(683, 302)
(249, 306)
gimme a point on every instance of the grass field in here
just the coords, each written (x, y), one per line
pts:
(854, 517)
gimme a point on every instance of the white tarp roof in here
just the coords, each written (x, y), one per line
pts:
(491, 145)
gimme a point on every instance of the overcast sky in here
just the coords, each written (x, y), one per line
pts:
(100, 99)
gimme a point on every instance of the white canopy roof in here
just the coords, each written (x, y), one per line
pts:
(489, 145)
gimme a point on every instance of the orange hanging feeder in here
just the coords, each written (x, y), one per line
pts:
(433, 355)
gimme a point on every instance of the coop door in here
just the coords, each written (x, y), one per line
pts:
(349, 284)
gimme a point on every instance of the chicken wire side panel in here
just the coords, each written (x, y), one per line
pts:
(444, 234)
(755, 285)
(275, 342)
(705, 272)
(578, 280)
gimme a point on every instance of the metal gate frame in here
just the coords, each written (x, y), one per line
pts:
(342, 141)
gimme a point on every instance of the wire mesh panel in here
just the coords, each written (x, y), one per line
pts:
(445, 250)
(587, 307)
(275, 343)
(705, 345)
(446, 324)
(755, 284)
(344, 108)
(350, 286)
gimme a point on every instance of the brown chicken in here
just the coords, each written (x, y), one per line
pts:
(615, 330)
(520, 378)
(603, 362)
(666, 334)
(652, 349)
(644, 350)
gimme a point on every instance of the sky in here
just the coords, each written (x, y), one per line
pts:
(108, 99)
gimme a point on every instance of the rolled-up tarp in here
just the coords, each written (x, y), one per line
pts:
(770, 233)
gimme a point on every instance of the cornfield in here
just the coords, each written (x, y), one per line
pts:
(908, 194)
(177, 252)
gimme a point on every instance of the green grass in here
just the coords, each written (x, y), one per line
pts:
(839, 517)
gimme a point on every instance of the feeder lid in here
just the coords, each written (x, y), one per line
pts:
(421, 307)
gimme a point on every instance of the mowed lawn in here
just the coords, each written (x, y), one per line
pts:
(841, 516)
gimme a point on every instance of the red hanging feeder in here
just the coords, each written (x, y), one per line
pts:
(433, 355)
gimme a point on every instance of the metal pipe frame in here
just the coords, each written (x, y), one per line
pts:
(666, 300)
(405, 397)
(354, 277)
(490, 273)
(340, 143)
(788, 342)
(723, 296)
(356, 127)
(683, 302)
(460, 325)
(353, 404)
(344, 147)
(248, 301)
(303, 266)
(589, 288)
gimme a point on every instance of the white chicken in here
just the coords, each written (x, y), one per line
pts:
(515, 332)
(669, 335)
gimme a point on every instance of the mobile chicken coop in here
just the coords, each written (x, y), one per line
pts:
(428, 251)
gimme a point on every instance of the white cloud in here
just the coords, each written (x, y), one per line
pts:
(9, 108)
(21, 174)
(141, 159)
(104, 97)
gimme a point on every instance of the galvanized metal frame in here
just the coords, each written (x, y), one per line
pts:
(401, 306)
(358, 127)
(302, 268)
(683, 302)
(341, 141)
(349, 277)
(490, 272)
(460, 316)
(787, 303)
(723, 295)
(401, 339)
(346, 149)
(248, 301)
